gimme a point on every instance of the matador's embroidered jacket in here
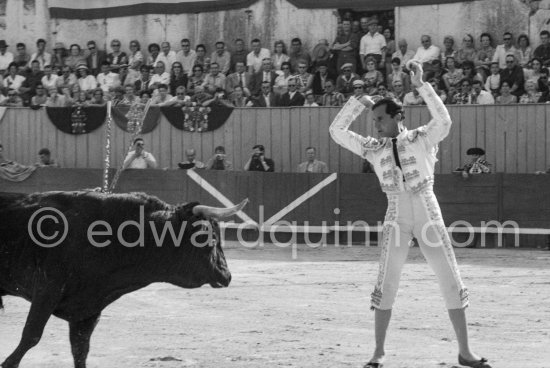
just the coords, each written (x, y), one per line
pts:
(417, 149)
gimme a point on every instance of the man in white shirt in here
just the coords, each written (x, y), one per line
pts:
(504, 50)
(6, 57)
(222, 57)
(373, 44)
(255, 57)
(167, 56)
(107, 79)
(43, 57)
(480, 96)
(186, 56)
(312, 165)
(403, 53)
(161, 76)
(427, 52)
(138, 158)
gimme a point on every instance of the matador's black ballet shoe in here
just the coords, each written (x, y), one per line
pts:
(373, 365)
(482, 363)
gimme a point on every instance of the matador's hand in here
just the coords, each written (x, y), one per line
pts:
(366, 100)
(416, 72)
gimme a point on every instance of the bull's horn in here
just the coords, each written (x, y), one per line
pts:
(218, 213)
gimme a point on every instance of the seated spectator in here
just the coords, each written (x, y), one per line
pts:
(117, 57)
(469, 70)
(486, 50)
(358, 89)
(6, 57)
(162, 97)
(67, 78)
(177, 77)
(81, 98)
(266, 98)
(413, 98)
(372, 77)
(382, 91)
(477, 164)
(75, 57)
(240, 78)
(239, 54)
(138, 158)
(118, 95)
(55, 99)
(167, 56)
(135, 60)
(144, 97)
(107, 80)
(266, 74)
(160, 76)
(542, 84)
(49, 79)
(258, 161)
(219, 160)
(321, 54)
(320, 78)
(32, 79)
(464, 96)
(40, 98)
(448, 48)
(524, 53)
(196, 80)
(399, 91)
(255, 58)
(403, 53)
(303, 78)
(534, 73)
(219, 98)
(13, 80)
(59, 55)
(154, 51)
(144, 81)
(200, 96)
(514, 74)
(298, 55)
(21, 58)
(125, 76)
(215, 80)
(344, 82)
(310, 100)
(200, 57)
(181, 98)
(13, 99)
(222, 57)
(129, 96)
(279, 55)
(504, 50)
(467, 52)
(281, 83)
(45, 159)
(186, 56)
(292, 97)
(480, 96)
(506, 97)
(238, 98)
(531, 94)
(331, 96)
(97, 98)
(95, 58)
(438, 73)
(397, 74)
(542, 52)
(492, 84)
(87, 82)
(427, 53)
(66, 92)
(191, 161)
(44, 58)
(312, 165)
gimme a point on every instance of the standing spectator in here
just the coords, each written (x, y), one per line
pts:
(186, 56)
(239, 54)
(75, 58)
(467, 52)
(191, 161)
(67, 78)
(464, 96)
(397, 74)
(502, 51)
(492, 84)
(138, 158)
(6, 57)
(167, 56)
(154, 51)
(43, 57)
(197, 79)
(279, 55)
(480, 96)
(107, 80)
(40, 98)
(219, 160)
(144, 81)
(427, 53)
(506, 98)
(59, 55)
(256, 56)
(55, 99)
(390, 49)
(403, 53)
(542, 52)
(266, 74)
(87, 82)
(117, 57)
(293, 97)
(160, 76)
(514, 74)
(13, 80)
(32, 79)
(222, 57)
(266, 98)
(486, 51)
(524, 52)
(331, 96)
(298, 54)
(399, 90)
(448, 48)
(45, 159)
(312, 165)
(135, 60)
(320, 78)
(304, 79)
(240, 78)
(531, 95)
(346, 45)
(258, 161)
(281, 83)
(22, 59)
(373, 45)
(96, 58)
(177, 77)
(215, 80)
(344, 82)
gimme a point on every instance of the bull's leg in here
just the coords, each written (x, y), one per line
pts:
(43, 304)
(80, 333)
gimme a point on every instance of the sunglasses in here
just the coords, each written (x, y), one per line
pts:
(357, 87)
(180, 94)
(285, 67)
(115, 45)
(91, 47)
(347, 70)
(140, 144)
(292, 85)
(509, 62)
(301, 67)
(507, 39)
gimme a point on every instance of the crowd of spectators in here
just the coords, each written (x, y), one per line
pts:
(363, 59)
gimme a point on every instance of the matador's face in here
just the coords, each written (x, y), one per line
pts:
(386, 125)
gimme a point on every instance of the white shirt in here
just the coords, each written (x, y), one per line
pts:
(409, 54)
(187, 61)
(146, 160)
(485, 98)
(5, 60)
(163, 78)
(426, 55)
(15, 82)
(501, 53)
(51, 82)
(87, 83)
(108, 81)
(168, 60)
(255, 61)
(44, 59)
(372, 44)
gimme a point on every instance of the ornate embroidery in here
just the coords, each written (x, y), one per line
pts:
(388, 174)
(424, 184)
(376, 298)
(408, 161)
(401, 149)
(410, 175)
(373, 144)
(464, 296)
(388, 160)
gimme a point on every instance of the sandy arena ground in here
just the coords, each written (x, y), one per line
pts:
(312, 312)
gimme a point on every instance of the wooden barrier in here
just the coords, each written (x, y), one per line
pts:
(515, 138)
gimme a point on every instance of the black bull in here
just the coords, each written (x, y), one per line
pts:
(96, 263)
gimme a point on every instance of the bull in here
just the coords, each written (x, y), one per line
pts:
(84, 272)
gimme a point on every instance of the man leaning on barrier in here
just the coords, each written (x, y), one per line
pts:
(404, 163)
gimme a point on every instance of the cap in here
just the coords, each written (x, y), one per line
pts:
(346, 65)
(59, 45)
(358, 83)
(475, 151)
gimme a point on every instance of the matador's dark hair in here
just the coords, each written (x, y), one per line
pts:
(393, 107)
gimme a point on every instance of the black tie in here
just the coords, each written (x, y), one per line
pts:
(395, 155)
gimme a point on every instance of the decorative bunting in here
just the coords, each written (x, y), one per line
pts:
(78, 119)
(197, 119)
(121, 117)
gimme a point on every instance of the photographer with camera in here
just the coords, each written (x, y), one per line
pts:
(258, 161)
(138, 158)
(219, 160)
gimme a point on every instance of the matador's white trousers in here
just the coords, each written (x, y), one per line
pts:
(416, 215)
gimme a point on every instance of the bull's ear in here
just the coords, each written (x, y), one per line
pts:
(218, 213)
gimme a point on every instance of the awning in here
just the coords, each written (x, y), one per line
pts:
(99, 9)
(365, 5)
